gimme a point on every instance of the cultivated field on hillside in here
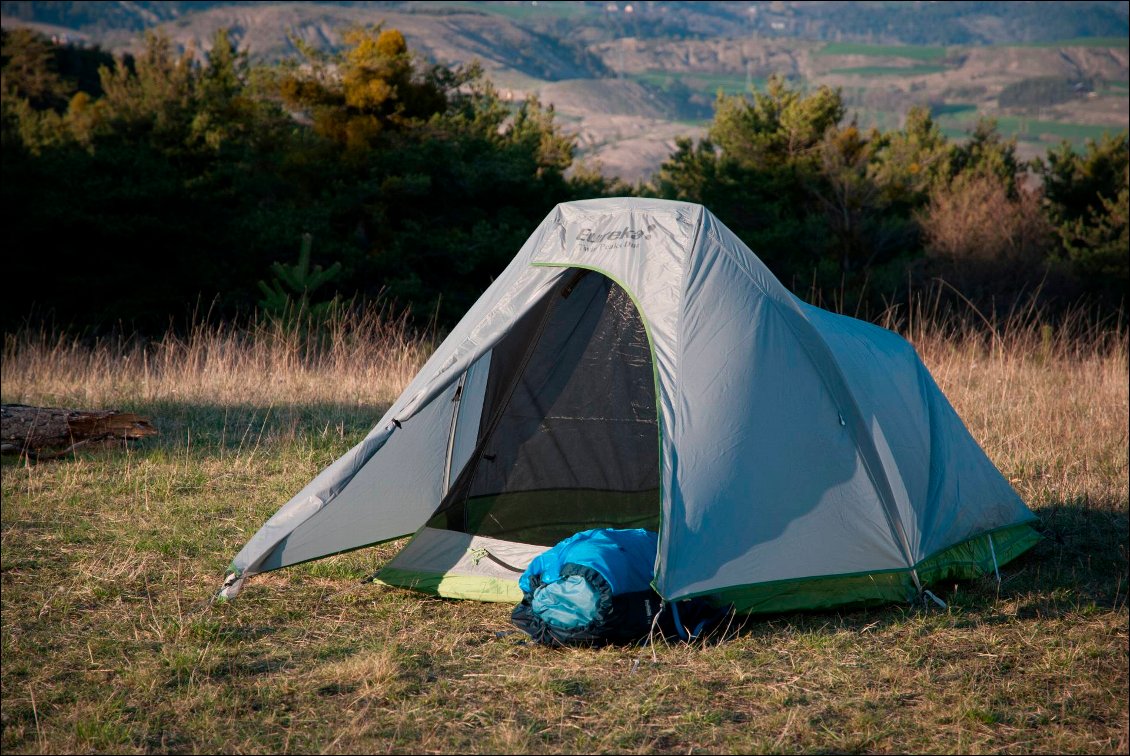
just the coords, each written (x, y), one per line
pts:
(109, 558)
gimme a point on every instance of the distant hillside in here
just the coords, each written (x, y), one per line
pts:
(623, 125)
(908, 23)
(266, 31)
(627, 81)
(610, 97)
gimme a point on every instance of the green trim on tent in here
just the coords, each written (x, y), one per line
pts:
(967, 560)
(473, 587)
(964, 561)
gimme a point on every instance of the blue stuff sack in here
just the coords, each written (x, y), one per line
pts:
(593, 588)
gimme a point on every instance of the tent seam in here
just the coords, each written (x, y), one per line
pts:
(688, 252)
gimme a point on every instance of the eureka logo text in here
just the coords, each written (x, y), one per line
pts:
(588, 237)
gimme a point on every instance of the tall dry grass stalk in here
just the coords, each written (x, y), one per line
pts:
(1049, 403)
(1037, 397)
(361, 356)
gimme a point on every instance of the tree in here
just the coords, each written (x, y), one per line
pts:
(372, 86)
(777, 127)
(782, 173)
(436, 177)
(152, 99)
(849, 196)
(30, 71)
(988, 244)
(288, 296)
(909, 162)
(1086, 201)
(185, 178)
(137, 198)
(225, 109)
(986, 152)
(1097, 246)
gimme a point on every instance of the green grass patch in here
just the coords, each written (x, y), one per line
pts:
(1030, 129)
(1073, 132)
(708, 83)
(1121, 42)
(544, 9)
(888, 70)
(954, 109)
(914, 52)
(1115, 88)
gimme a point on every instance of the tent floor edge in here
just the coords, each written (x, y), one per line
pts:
(964, 561)
(446, 585)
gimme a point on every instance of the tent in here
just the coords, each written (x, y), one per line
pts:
(636, 365)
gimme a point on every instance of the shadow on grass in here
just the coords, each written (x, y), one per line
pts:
(242, 426)
(1081, 563)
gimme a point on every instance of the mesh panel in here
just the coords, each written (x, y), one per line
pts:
(569, 438)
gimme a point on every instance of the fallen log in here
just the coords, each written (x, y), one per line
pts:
(48, 432)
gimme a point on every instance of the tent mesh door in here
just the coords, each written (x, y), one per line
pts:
(568, 438)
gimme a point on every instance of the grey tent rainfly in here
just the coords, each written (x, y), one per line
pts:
(636, 365)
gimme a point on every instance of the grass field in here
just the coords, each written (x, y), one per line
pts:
(708, 83)
(958, 126)
(1122, 42)
(1077, 133)
(888, 70)
(914, 52)
(954, 110)
(525, 11)
(109, 558)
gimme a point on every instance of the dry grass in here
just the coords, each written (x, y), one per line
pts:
(108, 559)
(363, 357)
